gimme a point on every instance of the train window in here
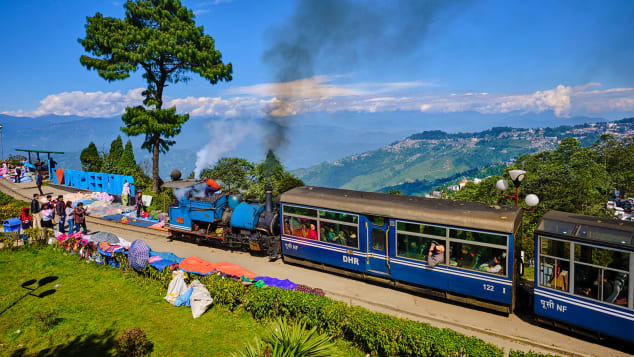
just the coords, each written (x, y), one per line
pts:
(300, 211)
(378, 239)
(553, 273)
(602, 257)
(377, 221)
(554, 248)
(587, 280)
(300, 227)
(478, 237)
(342, 217)
(549, 225)
(609, 235)
(615, 287)
(476, 257)
(421, 229)
(416, 247)
(339, 233)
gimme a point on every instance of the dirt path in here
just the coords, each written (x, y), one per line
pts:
(510, 332)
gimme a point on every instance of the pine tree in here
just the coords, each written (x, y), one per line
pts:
(90, 158)
(111, 161)
(127, 163)
(161, 38)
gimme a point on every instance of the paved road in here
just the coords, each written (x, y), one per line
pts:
(510, 332)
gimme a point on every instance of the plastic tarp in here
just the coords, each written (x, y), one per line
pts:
(167, 256)
(104, 237)
(233, 269)
(177, 286)
(200, 299)
(196, 265)
(284, 284)
(184, 299)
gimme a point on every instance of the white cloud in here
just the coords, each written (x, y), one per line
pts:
(323, 94)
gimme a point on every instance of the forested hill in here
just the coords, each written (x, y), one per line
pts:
(416, 163)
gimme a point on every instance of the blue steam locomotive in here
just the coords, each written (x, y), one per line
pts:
(584, 266)
(223, 219)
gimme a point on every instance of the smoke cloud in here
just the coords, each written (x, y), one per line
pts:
(224, 136)
(339, 34)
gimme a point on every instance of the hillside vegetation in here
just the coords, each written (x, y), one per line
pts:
(421, 161)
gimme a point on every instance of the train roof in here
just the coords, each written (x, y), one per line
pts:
(592, 229)
(430, 210)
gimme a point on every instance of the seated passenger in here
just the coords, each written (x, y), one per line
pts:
(312, 233)
(436, 254)
(330, 235)
(352, 240)
(560, 279)
(340, 238)
(412, 249)
(494, 265)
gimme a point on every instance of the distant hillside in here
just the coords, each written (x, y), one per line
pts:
(431, 158)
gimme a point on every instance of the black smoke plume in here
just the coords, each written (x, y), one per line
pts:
(337, 35)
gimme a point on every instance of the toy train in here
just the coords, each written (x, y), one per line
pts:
(223, 219)
(584, 266)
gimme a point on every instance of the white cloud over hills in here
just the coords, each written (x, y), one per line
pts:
(323, 93)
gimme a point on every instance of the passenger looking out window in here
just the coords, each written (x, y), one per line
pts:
(436, 254)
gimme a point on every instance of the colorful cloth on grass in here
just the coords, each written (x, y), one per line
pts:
(284, 284)
(162, 264)
(138, 254)
(166, 256)
(196, 265)
(105, 237)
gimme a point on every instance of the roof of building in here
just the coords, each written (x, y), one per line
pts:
(40, 151)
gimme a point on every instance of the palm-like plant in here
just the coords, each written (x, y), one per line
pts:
(290, 340)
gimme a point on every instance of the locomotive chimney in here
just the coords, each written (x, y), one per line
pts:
(268, 197)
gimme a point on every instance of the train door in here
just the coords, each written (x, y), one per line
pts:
(377, 232)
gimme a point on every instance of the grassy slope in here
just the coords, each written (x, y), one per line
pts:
(418, 161)
(94, 304)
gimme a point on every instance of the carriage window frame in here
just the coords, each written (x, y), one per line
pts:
(602, 269)
(572, 273)
(319, 221)
(556, 258)
(334, 221)
(504, 247)
(447, 240)
(440, 239)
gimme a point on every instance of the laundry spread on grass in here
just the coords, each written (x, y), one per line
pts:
(107, 249)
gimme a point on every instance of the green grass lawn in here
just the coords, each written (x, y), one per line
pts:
(93, 304)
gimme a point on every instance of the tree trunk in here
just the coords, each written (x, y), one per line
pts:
(155, 167)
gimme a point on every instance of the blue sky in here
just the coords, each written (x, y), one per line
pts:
(568, 57)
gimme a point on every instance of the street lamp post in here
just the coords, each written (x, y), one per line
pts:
(517, 176)
(1, 145)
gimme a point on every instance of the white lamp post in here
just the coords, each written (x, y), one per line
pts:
(517, 176)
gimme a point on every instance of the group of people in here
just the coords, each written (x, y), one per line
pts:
(44, 214)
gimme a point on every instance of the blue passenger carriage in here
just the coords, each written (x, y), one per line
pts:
(585, 272)
(387, 238)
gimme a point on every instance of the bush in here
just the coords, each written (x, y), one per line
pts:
(286, 339)
(375, 332)
(134, 342)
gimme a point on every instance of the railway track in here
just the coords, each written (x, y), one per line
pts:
(378, 298)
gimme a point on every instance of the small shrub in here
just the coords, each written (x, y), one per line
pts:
(48, 319)
(134, 342)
